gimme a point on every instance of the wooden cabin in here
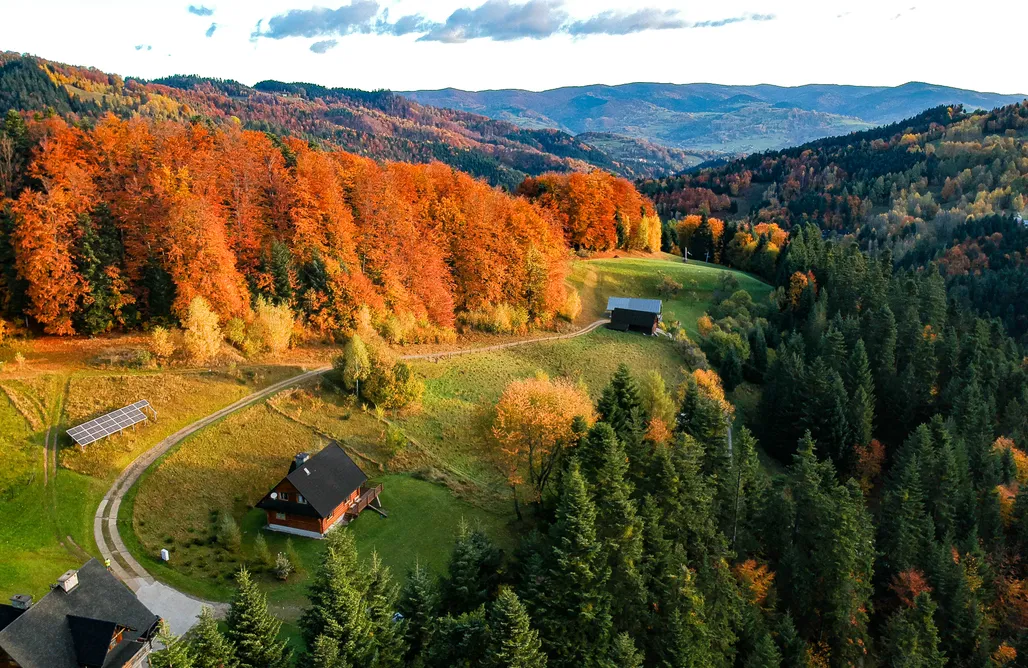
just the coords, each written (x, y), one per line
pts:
(87, 620)
(318, 493)
(638, 315)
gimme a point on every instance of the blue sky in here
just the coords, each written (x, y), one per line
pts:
(535, 44)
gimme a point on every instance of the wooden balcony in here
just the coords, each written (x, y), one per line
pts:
(367, 496)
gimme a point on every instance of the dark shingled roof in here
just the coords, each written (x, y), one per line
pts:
(8, 613)
(325, 481)
(73, 629)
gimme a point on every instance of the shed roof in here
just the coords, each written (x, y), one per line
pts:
(634, 304)
(326, 480)
(73, 629)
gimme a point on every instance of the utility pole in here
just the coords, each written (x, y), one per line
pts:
(685, 253)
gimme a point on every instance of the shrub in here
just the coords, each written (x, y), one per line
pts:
(391, 384)
(161, 344)
(19, 359)
(228, 532)
(235, 332)
(499, 319)
(293, 556)
(692, 354)
(203, 336)
(283, 566)
(261, 551)
(144, 358)
(272, 326)
(572, 306)
(395, 440)
(668, 287)
(3, 331)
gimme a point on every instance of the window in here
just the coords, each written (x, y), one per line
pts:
(280, 516)
(300, 499)
(283, 496)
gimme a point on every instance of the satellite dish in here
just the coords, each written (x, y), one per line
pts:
(274, 495)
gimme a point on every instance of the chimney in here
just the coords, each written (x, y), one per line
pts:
(21, 601)
(68, 581)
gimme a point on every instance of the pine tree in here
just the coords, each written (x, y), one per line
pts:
(458, 642)
(252, 630)
(388, 633)
(619, 529)
(731, 369)
(325, 654)
(175, 653)
(419, 605)
(514, 644)
(906, 530)
(620, 405)
(860, 386)
(208, 647)
(758, 351)
(576, 627)
(472, 572)
(338, 601)
(911, 639)
(623, 653)
(765, 654)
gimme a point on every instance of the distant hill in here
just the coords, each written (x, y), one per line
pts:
(712, 117)
(379, 124)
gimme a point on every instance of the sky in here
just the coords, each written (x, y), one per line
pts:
(534, 44)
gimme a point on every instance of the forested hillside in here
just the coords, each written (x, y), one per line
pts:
(377, 124)
(708, 117)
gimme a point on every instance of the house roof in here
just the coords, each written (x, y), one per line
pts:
(8, 613)
(633, 304)
(325, 480)
(74, 629)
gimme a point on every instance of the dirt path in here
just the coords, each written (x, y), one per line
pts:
(179, 609)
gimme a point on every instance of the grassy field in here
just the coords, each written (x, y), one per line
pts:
(596, 280)
(48, 517)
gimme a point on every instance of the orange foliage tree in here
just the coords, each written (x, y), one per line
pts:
(534, 422)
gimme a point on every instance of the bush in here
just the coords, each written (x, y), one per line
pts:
(294, 557)
(668, 287)
(692, 354)
(161, 344)
(272, 326)
(19, 359)
(144, 358)
(3, 331)
(390, 383)
(395, 440)
(228, 532)
(203, 336)
(261, 551)
(500, 319)
(235, 332)
(572, 306)
(283, 566)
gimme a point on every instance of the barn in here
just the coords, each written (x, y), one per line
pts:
(318, 493)
(630, 313)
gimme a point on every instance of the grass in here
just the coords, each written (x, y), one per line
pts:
(596, 280)
(48, 528)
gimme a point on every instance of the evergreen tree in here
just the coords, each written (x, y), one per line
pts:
(576, 627)
(207, 646)
(252, 630)
(339, 606)
(458, 642)
(325, 654)
(906, 530)
(175, 653)
(765, 654)
(731, 369)
(514, 644)
(388, 633)
(419, 605)
(758, 352)
(623, 653)
(860, 386)
(911, 639)
(620, 405)
(472, 572)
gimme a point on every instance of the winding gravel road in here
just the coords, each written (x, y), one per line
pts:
(177, 608)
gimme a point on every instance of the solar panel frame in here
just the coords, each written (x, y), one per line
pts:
(110, 423)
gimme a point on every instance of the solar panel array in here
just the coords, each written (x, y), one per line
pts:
(112, 423)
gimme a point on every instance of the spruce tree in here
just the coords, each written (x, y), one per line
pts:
(208, 646)
(458, 642)
(576, 627)
(338, 601)
(765, 654)
(911, 639)
(620, 405)
(419, 605)
(252, 630)
(758, 351)
(388, 633)
(513, 642)
(731, 369)
(623, 653)
(175, 653)
(472, 572)
(860, 386)
(325, 654)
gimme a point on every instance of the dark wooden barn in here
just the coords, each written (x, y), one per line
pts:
(637, 315)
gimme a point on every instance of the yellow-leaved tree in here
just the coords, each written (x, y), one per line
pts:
(535, 421)
(202, 338)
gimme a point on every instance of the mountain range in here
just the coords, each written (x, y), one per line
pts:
(711, 118)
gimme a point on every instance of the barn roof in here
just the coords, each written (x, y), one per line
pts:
(325, 480)
(634, 304)
(74, 628)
